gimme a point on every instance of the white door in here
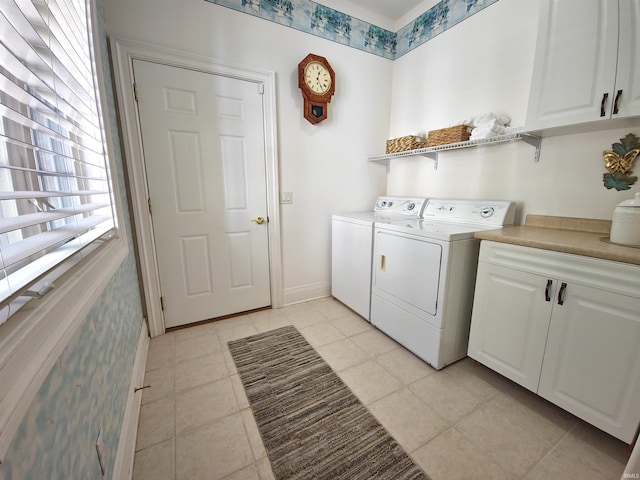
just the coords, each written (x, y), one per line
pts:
(511, 313)
(575, 63)
(203, 142)
(592, 361)
(628, 73)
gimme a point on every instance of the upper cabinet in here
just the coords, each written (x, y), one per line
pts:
(587, 64)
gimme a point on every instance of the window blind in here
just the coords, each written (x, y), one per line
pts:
(55, 190)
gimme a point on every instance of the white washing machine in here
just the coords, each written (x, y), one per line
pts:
(352, 248)
(424, 274)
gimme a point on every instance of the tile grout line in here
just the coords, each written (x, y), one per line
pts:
(296, 318)
(552, 449)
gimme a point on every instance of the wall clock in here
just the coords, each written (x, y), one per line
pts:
(317, 81)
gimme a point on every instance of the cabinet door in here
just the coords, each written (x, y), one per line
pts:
(575, 63)
(628, 73)
(592, 360)
(510, 322)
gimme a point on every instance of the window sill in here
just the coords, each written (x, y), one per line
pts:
(32, 340)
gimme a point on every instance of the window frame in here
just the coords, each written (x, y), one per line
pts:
(32, 340)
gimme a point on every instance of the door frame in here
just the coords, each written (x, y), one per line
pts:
(123, 52)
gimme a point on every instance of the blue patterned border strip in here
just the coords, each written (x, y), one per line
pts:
(315, 19)
(436, 20)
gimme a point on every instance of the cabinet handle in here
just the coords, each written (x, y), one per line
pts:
(383, 262)
(616, 101)
(547, 291)
(603, 103)
(563, 288)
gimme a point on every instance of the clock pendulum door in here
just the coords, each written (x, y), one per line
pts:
(315, 112)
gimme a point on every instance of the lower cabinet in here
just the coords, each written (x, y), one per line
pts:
(509, 324)
(564, 326)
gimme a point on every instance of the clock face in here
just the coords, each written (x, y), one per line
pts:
(317, 78)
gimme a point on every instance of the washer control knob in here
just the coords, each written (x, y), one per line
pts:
(411, 206)
(487, 212)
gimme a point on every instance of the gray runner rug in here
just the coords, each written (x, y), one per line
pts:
(312, 425)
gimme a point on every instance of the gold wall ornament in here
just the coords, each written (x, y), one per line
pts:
(619, 162)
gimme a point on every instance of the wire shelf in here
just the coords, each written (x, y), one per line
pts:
(432, 152)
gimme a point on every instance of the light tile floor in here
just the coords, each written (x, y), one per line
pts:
(463, 422)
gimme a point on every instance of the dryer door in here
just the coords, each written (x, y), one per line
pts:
(406, 270)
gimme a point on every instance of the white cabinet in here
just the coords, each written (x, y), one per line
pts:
(592, 359)
(587, 63)
(509, 323)
(564, 326)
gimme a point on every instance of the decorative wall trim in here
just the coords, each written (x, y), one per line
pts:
(315, 19)
(439, 18)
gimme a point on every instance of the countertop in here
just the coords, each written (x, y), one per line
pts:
(579, 236)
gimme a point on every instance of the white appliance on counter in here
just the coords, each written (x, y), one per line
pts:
(424, 274)
(352, 248)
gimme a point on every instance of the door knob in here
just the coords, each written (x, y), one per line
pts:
(259, 220)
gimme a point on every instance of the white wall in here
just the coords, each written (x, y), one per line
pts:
(485, 64)
(482, 64)
(325, 165)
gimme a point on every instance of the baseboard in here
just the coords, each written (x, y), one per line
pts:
(304, 293)
(123, 467)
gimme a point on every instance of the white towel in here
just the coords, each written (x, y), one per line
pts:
(487, 130)
(491, 117)
(483, 119)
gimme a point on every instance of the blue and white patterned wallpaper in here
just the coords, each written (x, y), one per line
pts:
(88, 387)
(311, 17)
(85, 391)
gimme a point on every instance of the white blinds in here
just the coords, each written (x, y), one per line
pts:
(55, 196)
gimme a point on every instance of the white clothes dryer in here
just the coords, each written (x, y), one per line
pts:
(424, 273)
(352, 248)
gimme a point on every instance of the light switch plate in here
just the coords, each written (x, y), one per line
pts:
(286, 198)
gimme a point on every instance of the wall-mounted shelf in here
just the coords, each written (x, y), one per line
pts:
(432, 152)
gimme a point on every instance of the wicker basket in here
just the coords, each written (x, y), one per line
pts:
(402, 144)
(459, 133)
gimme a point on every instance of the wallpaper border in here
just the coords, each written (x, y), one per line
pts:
(316, 19)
